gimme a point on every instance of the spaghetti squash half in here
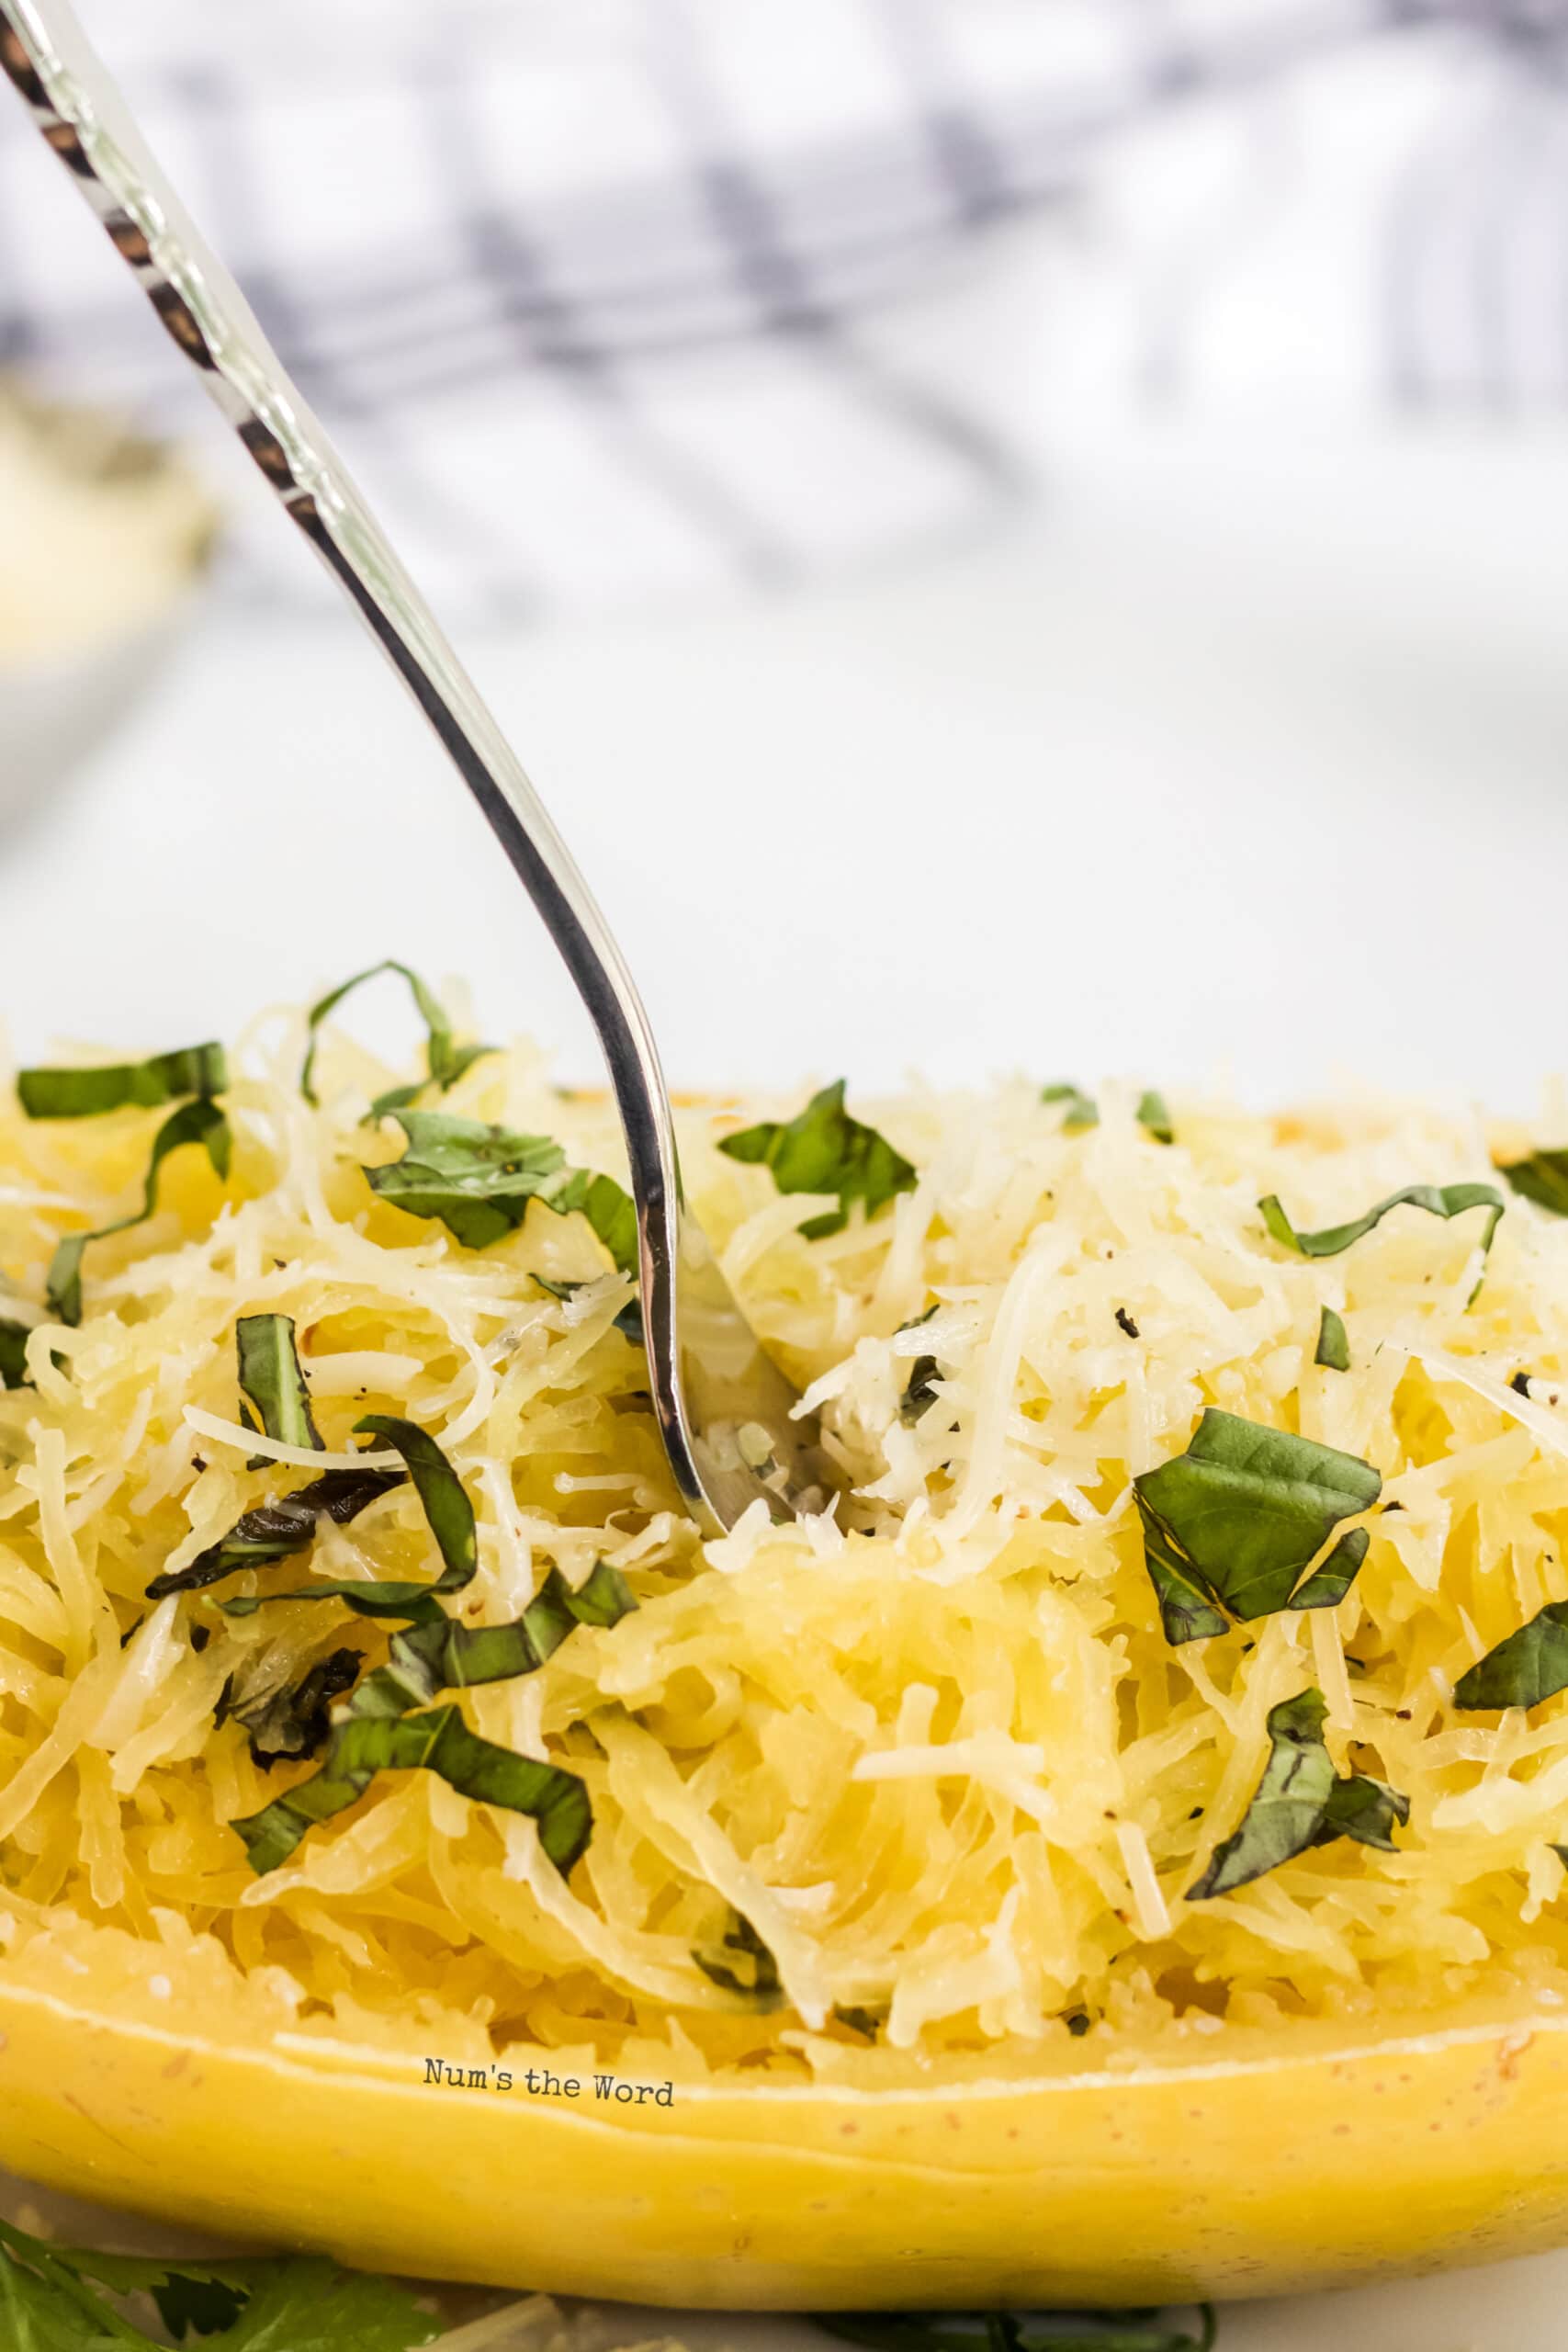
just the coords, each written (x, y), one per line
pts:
(1115, 1851)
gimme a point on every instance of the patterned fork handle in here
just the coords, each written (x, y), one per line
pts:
(724, 1408)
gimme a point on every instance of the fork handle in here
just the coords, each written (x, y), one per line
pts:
(81, 117)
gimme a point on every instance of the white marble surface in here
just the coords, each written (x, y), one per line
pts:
(1236, 754)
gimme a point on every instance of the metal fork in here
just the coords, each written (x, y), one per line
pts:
(724, 1408)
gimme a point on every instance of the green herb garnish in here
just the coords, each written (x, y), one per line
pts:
(1154, 1117)
(275, 1530)
(1529, 1667)
(919, 1389)
(439, 1742)
(272, 1382)
(825, 1150)
(1299, 1804)
(53, 2299)
(143, 1085)
(478, 1181)
(445, 1059)
(741, 1963)
(1082, 1110)
(198, 1070)
(1233, 1522)
(1438, 1200)
(1542, 1177)
(199, 1122)
(450, 1516)
(439, 1654)
(1333, 1342)
(14, 1352)
(288, 1721)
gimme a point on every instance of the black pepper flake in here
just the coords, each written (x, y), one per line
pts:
(199, 1637)
(1126, 1322)
(1520, 1384)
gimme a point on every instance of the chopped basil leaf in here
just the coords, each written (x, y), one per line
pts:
(445, 1059)
(478, 1181)
(1332, 1579)
(288, 1721)
(1367, 1810)
(1438, 1200)
(825, 1150)
(918, 1391)
(435, 1655)
(1237, 1519)
(1527, 1667)
(439, 1742)
(1289, 1805)
(14, 1354)
(1542, 1177)
(198, 1122)
(1154, 1117)
(741, 1964)
(1300, 1804)
(1082, 1110)
(451, 1519)
(146, 1086)
(628, 1322)
(1333, 1342)
(1187, 1612)
(275, 1530)
(441, 1655)
(273, 1381)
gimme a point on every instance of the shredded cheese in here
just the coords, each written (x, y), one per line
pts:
(934, 1746)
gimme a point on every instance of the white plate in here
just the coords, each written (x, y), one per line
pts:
(1249, 751)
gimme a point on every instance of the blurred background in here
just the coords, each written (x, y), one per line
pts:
(1010, 533)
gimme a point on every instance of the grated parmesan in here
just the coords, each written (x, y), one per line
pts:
(933, 1747)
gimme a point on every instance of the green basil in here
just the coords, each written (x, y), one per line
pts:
(919, 1389)
(1542, 1177)
(146, 1086)
(275, 1530)
(1299, 1804)
(741, 1963)
(479, 1180)
(1438, 1200)
(1187, 1610)
(450, 1516)
(1153, 1117)
(273, 1381)
(1082, 1110)
(198, 1122)
(1333, 1342)
(435, 1655)
(445, 1059)
(14, 1354)
(1329, 1582)
(1233, 1522)
(1367, 1810)
(1527, 1667)
(825, 1150)
(438, 1741)
(288, 1721)
(49, 2301)
(443, 1654)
